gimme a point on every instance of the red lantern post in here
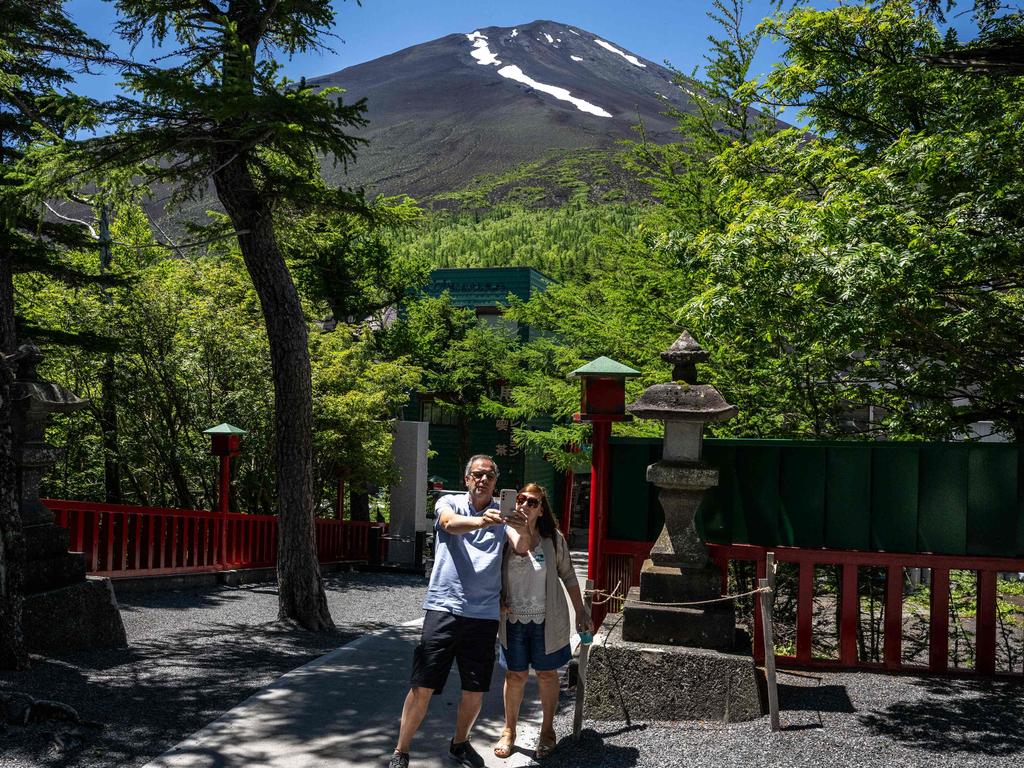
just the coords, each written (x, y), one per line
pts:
(603, 401)
(226, 442)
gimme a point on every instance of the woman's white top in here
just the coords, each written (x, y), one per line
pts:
(526, 589)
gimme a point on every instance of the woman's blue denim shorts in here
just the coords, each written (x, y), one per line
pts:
(526, 649)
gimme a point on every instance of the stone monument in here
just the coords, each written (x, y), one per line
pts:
(409, 496)
(63, 608)
(673, 655)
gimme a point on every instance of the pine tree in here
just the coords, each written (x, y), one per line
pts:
(218, 113)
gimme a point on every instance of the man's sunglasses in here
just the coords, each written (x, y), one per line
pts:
(527, 500)
(480, 474)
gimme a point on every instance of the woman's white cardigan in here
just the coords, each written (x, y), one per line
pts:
(556, 607)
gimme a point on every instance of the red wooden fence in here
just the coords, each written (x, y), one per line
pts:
(626, 558)
(123, 540)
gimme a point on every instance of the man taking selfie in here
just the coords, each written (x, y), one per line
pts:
(462, 608)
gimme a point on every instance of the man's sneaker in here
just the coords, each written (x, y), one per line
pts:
(399, 760)
(464, 754)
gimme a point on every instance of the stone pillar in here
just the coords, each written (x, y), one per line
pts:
(409, 496)
(63, 609)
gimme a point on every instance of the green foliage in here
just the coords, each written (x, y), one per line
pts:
(579, 176)
(344, 258)
(566, 243)
(355, 398)
(878, 263)
(192, 352)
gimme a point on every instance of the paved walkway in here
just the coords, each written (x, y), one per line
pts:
(343, 710)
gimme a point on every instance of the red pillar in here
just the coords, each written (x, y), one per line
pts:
(598, 510)
(225, 483)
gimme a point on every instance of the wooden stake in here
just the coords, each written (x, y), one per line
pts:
(769, 639)
(581, 670)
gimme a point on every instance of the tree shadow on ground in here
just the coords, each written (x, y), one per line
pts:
(592, 751)
(817, 698)
(956, 716)
(151, 695)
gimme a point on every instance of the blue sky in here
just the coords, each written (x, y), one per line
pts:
(655, 29)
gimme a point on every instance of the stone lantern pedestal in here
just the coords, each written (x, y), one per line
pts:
(674, 655)
(63, 609)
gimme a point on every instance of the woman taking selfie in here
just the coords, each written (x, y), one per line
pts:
(534, 629)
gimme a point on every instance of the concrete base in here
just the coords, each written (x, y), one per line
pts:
(662, 682)
(77, 617)
(704, 626)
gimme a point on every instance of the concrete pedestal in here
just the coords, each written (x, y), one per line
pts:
(649, 681)
(80, 616)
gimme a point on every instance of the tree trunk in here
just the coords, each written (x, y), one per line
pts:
(12, 539)
(301, 594)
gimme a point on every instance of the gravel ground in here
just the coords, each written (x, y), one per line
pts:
(192, 655)
(854, 720)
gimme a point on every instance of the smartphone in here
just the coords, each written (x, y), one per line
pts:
(507, 503)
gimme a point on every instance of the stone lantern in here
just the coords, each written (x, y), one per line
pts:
(679, 569)
(669, 658)
(63, 609)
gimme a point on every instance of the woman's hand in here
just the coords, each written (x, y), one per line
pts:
(584, 623)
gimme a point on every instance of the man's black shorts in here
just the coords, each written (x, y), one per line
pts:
(445, 637)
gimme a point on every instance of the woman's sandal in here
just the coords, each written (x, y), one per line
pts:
(546, 745)
(505, 743)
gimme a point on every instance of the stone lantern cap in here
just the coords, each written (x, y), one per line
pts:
(684, 399)
(43, 396)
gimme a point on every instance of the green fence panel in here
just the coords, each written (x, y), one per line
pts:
(757, 471)
(848, 497)
(894, 480)
(942, 500)
(720, 516)
(802, 508)
(991, 500)
(629, 493)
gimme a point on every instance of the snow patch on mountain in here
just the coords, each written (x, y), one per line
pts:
(631, 59)
(483, 54)
(576, 58)
(515, 73)
(481, 51)
(549, 37)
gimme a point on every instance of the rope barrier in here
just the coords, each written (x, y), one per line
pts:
(616, 595)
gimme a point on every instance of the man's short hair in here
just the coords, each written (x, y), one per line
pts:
(478, 457)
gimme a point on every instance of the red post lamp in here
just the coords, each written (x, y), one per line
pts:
(226, 442)
(603, 400)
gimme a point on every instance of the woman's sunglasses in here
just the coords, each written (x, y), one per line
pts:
(527, 500)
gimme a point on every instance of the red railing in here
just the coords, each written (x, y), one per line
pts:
(627, 557)
(123, 540)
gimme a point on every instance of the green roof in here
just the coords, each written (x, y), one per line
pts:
(224, 429)
(604, 366)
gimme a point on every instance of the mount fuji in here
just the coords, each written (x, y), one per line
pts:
(487, 100)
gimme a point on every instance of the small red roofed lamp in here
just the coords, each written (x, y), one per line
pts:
(226, 442)
(602, 401)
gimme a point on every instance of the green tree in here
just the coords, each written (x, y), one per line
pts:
(464, 359)
(219, 112)
(38, 45)
(878, 260)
